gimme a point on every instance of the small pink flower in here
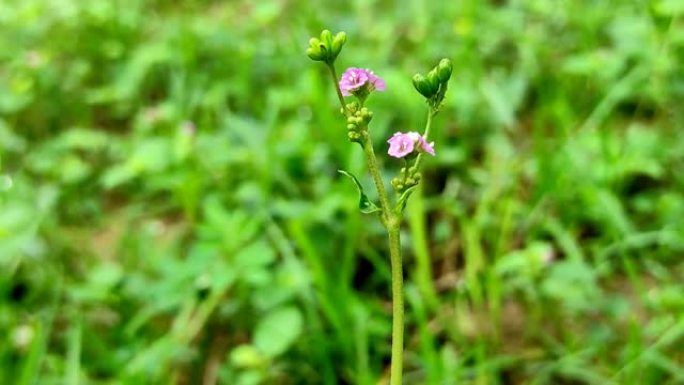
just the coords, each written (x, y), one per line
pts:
(377, 82)
(400, 145)
(425, 146)
(403, 144)
(354, 79)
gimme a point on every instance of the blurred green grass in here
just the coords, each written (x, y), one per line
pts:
(170, 211)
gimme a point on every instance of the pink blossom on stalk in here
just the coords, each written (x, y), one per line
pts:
(402, 144)
(354, 79)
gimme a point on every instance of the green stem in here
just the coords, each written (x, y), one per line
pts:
(333, 73)
(377, 179)
(396, 368)
(428, 124)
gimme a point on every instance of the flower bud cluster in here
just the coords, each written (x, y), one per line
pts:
(357, 122)
(408, 177)
(327, 47)
(434, 85)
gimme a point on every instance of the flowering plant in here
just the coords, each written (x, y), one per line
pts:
(410, 146)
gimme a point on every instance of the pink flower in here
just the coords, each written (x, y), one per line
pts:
(354, 79)
(377, 82)
(400, 145)
(403, 144)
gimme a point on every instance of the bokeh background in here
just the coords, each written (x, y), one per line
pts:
(170, 210)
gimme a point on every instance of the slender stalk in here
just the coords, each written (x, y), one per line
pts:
(428, 124)
(377, 179)
(333, 73)
(397, 362)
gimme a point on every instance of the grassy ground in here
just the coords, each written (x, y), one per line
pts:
(170, 211)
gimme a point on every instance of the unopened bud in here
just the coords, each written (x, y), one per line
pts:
(326, 38)
(433, 81)
(316, 50)
(422, 86)
(444, 69)
(337, 43)
(314, 54)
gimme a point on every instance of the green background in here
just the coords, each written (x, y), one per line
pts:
(170, 210)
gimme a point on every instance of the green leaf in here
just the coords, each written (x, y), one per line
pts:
(401, 203)
(365, 205)
(276, 332)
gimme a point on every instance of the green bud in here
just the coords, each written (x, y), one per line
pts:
(351, 127)
(418, 176)
(366, 114)
(433, 80)
(314, 54)
(354, 136)
(324, 50)
(422, 86)
(314, 51)
(444, 70)
(326, 38)
(337, 43)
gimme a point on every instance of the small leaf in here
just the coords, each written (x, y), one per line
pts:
(401, 203)
(365, 205)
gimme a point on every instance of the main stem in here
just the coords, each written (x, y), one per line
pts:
(392, 222)
(396, 368)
